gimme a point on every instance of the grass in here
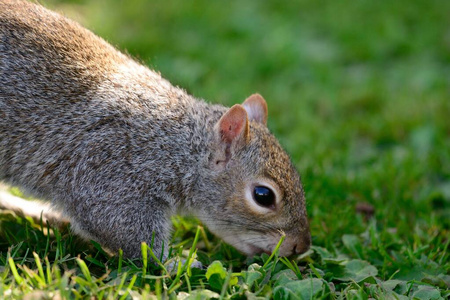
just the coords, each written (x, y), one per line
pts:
(358, 93)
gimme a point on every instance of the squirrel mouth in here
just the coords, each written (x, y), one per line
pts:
(257, 250)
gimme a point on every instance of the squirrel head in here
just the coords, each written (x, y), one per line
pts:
(253, 191)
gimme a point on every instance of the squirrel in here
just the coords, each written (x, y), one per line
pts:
(118, 150)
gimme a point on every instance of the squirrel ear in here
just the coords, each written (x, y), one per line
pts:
(232, 129)
(256, 108)
(233, 124)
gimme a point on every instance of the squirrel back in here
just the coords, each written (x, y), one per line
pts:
(119, 150)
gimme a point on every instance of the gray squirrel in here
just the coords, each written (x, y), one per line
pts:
(119, 150)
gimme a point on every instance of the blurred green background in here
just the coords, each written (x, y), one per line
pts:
(358, 93)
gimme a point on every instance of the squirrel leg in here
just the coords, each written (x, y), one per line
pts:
(123, 227)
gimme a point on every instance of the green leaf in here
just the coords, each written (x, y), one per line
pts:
(335, 261)
(216, 268)
(397, 286)
(322, 252)
(233, 280)
(284, 277)
(216, 275)
(299, 289)
(216, 282)
(441, 280)
(417, 272)
(250, 277)
(426, 292)
(356, 270)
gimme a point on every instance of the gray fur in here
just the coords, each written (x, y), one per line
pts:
(119, 149)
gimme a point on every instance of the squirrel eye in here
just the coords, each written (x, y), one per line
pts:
(264, 196)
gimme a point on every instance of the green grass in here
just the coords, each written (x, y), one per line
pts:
(358, 93)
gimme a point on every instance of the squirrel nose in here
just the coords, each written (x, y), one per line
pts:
(303, 244)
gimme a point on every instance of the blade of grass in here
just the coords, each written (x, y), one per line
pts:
(188, 283)
(119, 268)
(39, 265)
(205, 239)
(13, 268)
(32, 276)
(155, 259)
(175, 287)
(48, 270)
(25, 256)
(186, 264)
(119, 287)
(84, 269)
(129, 287)
(291, 266)
(158, 289)
(315, 271)
(275, 251)
(144, 252)
(225, 285)
(47, 244)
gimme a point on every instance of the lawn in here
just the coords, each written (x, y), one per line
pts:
(358, 94)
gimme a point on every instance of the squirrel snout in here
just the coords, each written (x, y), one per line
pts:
(302, 246)
(296, 244)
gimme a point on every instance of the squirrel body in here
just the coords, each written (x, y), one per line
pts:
(118, 149)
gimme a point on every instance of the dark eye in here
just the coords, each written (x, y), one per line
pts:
(264, 196)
